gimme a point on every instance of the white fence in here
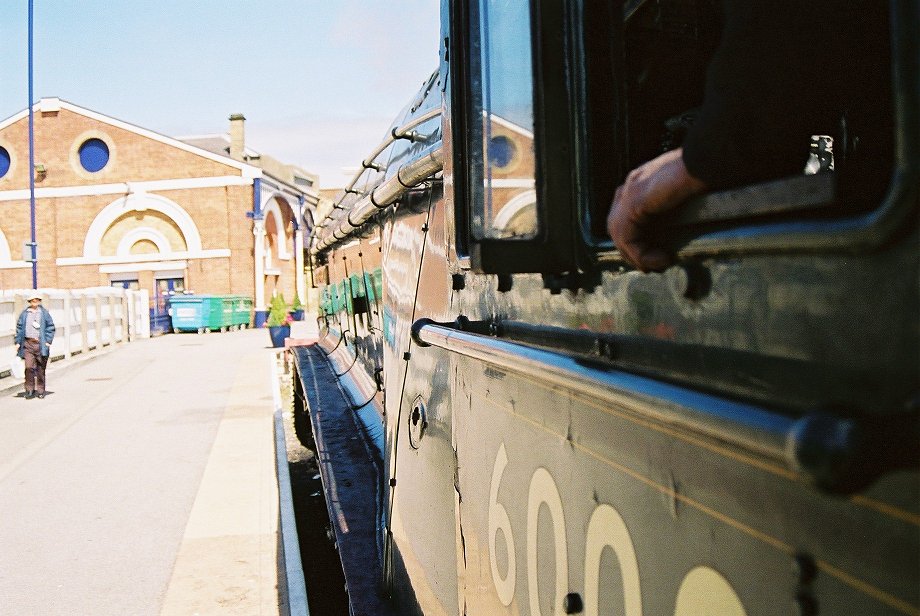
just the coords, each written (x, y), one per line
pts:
(86, 320)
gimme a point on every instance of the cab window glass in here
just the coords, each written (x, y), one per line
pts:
(503, 122)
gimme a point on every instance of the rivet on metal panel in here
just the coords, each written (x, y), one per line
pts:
(697, 281)
(572, 603)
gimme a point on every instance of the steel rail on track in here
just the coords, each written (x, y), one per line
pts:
(295, 586)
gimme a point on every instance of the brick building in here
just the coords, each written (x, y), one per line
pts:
(116, 204)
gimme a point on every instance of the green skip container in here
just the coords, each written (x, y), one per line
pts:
(203, 313)
(241, 311)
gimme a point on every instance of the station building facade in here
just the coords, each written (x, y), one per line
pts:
(116, 204)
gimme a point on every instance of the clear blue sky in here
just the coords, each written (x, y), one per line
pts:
(318, 80)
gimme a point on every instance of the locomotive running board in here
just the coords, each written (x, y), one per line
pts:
(351, 472)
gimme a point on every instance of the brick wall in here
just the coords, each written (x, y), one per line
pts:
(218, 213)
(133, 157)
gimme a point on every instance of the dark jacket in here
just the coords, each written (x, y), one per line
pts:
(45, 332)
(786, 70)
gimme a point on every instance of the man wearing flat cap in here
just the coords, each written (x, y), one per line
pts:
(34, 333)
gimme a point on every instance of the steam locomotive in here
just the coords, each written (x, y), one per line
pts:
(510, 419)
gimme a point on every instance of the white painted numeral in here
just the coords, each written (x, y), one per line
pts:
(543, 491)
(498, 519)
(703, 590)
(607, 529)
(706, 591)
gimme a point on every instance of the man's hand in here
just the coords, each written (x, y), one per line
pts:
(659, 185)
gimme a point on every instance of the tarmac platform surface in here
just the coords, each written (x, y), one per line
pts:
(143, 483)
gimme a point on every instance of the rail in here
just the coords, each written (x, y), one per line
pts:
(820, 448)
(393, 186)
(406, 131)
(294, 587)
(408, 176)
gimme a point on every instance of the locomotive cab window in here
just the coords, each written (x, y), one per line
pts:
(505, 87)
(763, 103)
(558, 101)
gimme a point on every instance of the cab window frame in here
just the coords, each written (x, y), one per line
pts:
(552, 246)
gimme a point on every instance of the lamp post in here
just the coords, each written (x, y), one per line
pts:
(32, 243)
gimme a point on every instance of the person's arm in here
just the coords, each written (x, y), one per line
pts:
(657, 186)
(20, 329)
(761, 99)
(49, 327)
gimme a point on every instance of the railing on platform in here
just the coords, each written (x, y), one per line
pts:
(86, 320)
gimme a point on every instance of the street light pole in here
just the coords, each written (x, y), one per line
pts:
(32, 243)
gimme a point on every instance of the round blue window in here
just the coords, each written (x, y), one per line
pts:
(94, 155)
(4, 161)
(501, 151)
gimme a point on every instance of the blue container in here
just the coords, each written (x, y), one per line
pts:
(204, 313)
(196, 313)
(188, 313)
(221, 313)
(278, 333)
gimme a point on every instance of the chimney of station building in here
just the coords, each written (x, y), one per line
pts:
(237, 136)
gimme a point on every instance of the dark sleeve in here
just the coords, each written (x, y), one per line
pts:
(49, 327)
(769, 87)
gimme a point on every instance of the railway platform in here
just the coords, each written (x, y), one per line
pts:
(144, 483)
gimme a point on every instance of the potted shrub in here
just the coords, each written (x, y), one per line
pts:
(297, 309)
(278, 321)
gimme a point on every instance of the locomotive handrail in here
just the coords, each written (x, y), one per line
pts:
(823, 449)
(403, 132)
(409, 175)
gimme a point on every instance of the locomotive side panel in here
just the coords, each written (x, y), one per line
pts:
(596, 499)
(422, 544)
(783, 315)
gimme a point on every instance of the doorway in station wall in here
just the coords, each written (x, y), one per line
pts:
(163, 289)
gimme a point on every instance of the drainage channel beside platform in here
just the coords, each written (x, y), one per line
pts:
(292, 587)
(307, 549)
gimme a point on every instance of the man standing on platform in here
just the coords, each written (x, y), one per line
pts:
(34, 333)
